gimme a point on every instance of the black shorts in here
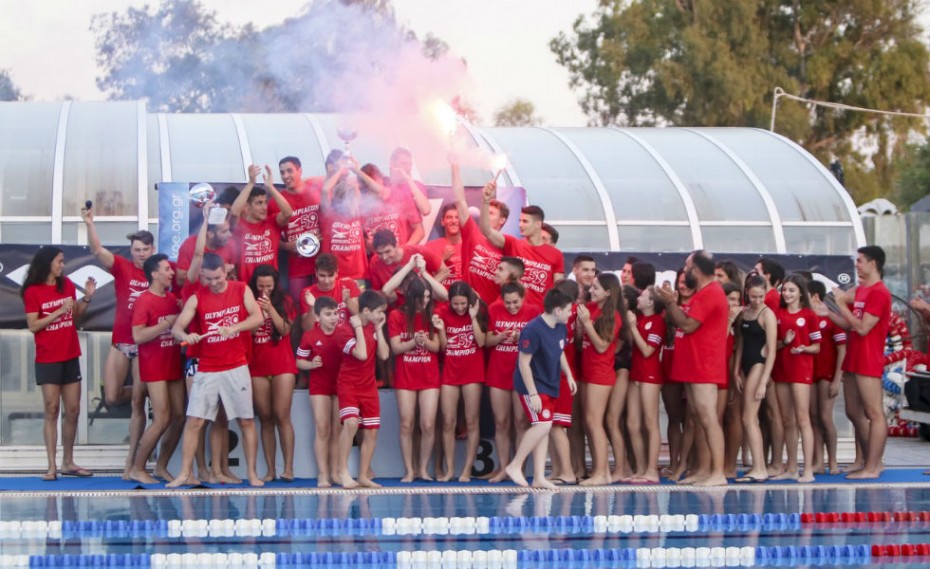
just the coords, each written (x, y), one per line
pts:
(624, 357)
(58, 373)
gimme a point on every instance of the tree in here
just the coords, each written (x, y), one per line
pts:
(913, 181)
(685, 62)
(8, 89)
(519, 112)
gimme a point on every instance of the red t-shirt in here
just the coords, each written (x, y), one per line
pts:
(796, 368)
(773, 300)
(160, 358)
(270, 356)
(188, 290)
(437, 247)
(419, 368)
(381, 273)
(463, 360)
(571, 348)
(398, 213)
(340, 285)
(224, 309)
(502, 360)
(315, 342)
(186, 252)
(343, 237)
(831, 336)
(541, 263)
(356, 375)
(304, 219)
(700, 357)
(865, 355)
(649, 370)
(258, 245)
(479, 262)
(129, 282)
(599, 368)
(57, 342)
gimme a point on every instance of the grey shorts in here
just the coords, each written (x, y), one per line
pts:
(233, 387)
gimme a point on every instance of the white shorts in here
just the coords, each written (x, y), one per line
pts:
(233, 387)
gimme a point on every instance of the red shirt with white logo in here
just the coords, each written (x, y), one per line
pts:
(796, 368)
(57, 342)
(463, 359)
(315, 342)
(439, 248)
(381, 273)
(598, 368)
(343, 237)
(272, 356)
(186, 252)
(398, 213)
(220, 310)
(502, 360)
(541, 262)
(700, 357)
(160, 358)
(831, 336)
(129, 282)
(357, 375)
(865, 355)
(572, 354)
(479, 262)
(304, 219)
(417, 369)
(258, 245)
(649, 370)
(342, 284)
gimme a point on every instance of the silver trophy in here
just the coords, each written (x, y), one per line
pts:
(307, 244)
(346, 135)
(201, 193)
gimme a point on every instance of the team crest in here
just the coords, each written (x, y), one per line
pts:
(546, 414)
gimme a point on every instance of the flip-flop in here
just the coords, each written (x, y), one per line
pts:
(643, 481)
(287, 479)
(750, 480)
(78, 473)
(563, 482)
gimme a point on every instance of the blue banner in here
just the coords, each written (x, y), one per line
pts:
(173, 217)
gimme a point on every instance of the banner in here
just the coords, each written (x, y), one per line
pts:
(173, 217)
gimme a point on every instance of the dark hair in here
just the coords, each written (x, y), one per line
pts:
(517, 263)
(461, 288)
(644, 274)
(568, 286)
(446, 208)
(292, 159)
(324, 302)
(371, 299)
(151, 265)
(212, 262)
(413, 296)
(372, 171)
(327, 262)
(754, 280)
(552, 231)
(400, 151)
(334, 156)
(800, 282)
(228, 195)
(510, 288)
(40, 267)
(583, 259)
(534, 211)
(809, 276)
(144, 236)
(604, 324)
(278, 298)
(501, 208)
(818, 288)
(730, 288)
(703, 261)
(730, 269)
(382, 238)
(874, 253)
(256, 192)
(555, 298)
(630, 260)
(775, 272)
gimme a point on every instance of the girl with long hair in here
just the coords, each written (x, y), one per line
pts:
(680, 438)
(647, 330)
(51, 309)
(273, 369)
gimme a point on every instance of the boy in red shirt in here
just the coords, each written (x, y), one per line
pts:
(448, 248)
(359, 404)
(258, 233)
(329, 284)
(828, 376)
(304, 198)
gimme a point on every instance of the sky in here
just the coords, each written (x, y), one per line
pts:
(49, 50)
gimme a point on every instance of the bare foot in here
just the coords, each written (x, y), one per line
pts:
(595, 481)
(445, 477)
(774, 470)
(425, 477)
(513, 472)
(347, 482)
(856, 467)
(731, 473)
(694, 478)
(834, 469)
(540, 482)
(226, 478)
(323, 483)
(183, 481)
(499, 477)
(624, 476)
(162, 472)
(675, 475)
(806, 478)
(816, 468)
(786, 475)
(127, 468)
(256, 482)
(719, 480)
(864, 474)
(269, 477)
(407, 479)
(465, 478)
(366, 482)
(141, 477)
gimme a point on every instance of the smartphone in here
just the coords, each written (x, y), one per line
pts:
(88, 204)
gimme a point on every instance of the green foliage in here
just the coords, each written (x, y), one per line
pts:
(519, 112)
(913, 181)
(689, 62)
(8, 89)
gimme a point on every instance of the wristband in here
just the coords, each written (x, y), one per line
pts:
(532, 394)
(86, 300)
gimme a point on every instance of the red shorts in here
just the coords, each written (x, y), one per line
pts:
(321, 385)
(500, 381)
(364, 405)
(415, 383)
(605, 379)
(545, 415)
(562, 413)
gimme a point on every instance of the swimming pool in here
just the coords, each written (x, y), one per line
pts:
(654, 527)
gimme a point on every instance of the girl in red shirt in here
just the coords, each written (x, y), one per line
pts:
(462, 373)
(798, 341)
(416, 337)
(273, 369)
(680, 437)
(50, 313)
(648, 335)
(600, 321)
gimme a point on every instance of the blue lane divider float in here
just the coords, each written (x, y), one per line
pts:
(464, 559)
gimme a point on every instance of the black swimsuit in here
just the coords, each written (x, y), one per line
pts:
(753, 343)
